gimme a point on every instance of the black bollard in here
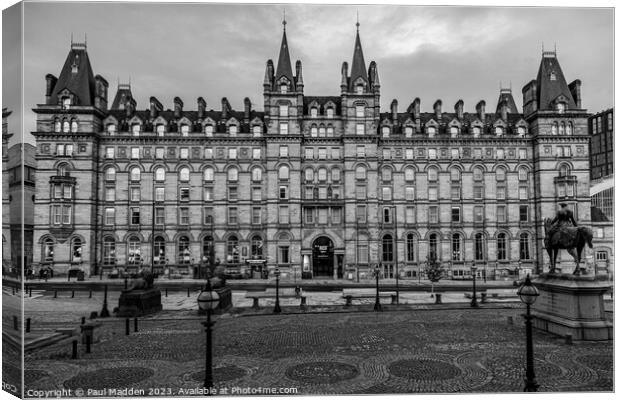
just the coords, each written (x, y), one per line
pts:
(55, 293)
(88, 341)
(90, 294)
(187, 292)
(83, 320)
(166, 292)
(29, 290)
(13, 290)
(127, 326)
(135, 324)
(125, 283)
(75, 351)
(72, 293)
(15, 325)
(27, 325)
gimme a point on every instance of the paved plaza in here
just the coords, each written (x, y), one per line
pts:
(421, 349)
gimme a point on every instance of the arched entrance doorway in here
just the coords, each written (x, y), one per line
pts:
(323, 257)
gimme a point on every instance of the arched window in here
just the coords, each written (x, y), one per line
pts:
(330, 131)
(409, 174)
(454, 131)
(184, 130)
(256, 247)
(232, 250)
(184, 254)
(76, 250)
(479, 246)
(410, 243)
(569, 128)
(257, 131)
(455, 174)
(387, 253)
(66, 102)
(160, 129)
(499, 130)
(233, 174)
(208, 130)
(330, 112)
(257, 174)
(48, 250)
(314, 112)
(501, 247)
(208, 174)
(554, 128)
(65, 126)
(564, 170)
(184, 174)
(159, 250)
(562, 128)
(477, 131)
(283, 172)
(74, 126)
(321, 131)
(432, 174)
(360, 172)
(521, 131)
(359, 89)
(408, 131)
(457, 252)
(56, 125)
(111, 128)
(385, 131)
(134, 174)
(500, 174)
(133, 251)
(431, 131)
(109, 251)
(314, 131)
(523, 174)
(560, 107)
(335, 175)
(524, 246)
(386, 174)
(160, 174)
(63, 170)
(110, 174)
(478, 173)
(322, 174)
(207, 250)
(283, 88)
(135, 129)
(432, 247)
(232, 130)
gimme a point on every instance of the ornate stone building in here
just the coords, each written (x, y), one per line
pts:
(319, 186)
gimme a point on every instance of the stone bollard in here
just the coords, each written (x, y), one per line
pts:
(302, 304)
(438, 298)
(255, 305)
(166, 292)
(55, 293)
(393, 299)
(74, 349)
(187, 292)
(90, 294)
(83, 320)
(483, 297)
(72, 293)
(349, 301)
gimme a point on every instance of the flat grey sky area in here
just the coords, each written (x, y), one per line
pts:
(220, 50)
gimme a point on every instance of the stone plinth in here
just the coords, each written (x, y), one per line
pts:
(135, 303)
(572, 305)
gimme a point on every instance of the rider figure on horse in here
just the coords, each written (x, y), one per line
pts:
(563, 217)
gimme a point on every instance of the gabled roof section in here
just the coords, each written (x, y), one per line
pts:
(358, 66)
(505, 95)
(123, 93)
(77, 77)
(551, 83)
(284, 67)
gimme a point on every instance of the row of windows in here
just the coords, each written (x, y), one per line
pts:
(184, 129)
(184, 174)
(135, 153)
(454, 131)
(65, 125)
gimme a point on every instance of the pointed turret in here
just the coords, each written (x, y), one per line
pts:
(123, 93)
(505, 98)
(551, 85)
(299, 75)
(284, 68)
(359, 74)
(76, 79)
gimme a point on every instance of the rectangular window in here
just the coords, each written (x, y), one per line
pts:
(110, 194)
(256, 154)
(135, 152)
(159, 152)
(387, 154)
(432, 193)
(456, 214)
(159, 194)
(60, 149)
(208, 216)
(135, 194)
(322, 193)
(522, 192)
(309, 213)
(159, 216)
(109, 152)
(309, 153)
(409, 154)
(336, 215)
(322, 153)
(283, 128)
(478, 214)
(362, 253)
(135, 216)
(283, 151)
(360, 192)
(386, 193)
(232, 154)
(410, 193)
(501, 214)
(283, 192)
(283, 255)
(360, 214)
(233, 195)
(184, 194)
(361, 151)
(256, 194)
(184, 216)
(455, 192)
(232, 216)
(359, 111)
(69, 150)
(56, 215)
(360, 129)
(184, 153)
(109, 216)
(524, 214)
(387, 215)
(410, 215)
(433, 215)
(335, 153)
(522, 154)
(283, 215)
(501, 192)
(284, 111)
(455, 153)
(57, 191)
(208, 153)
(500, 154)
(478, 190)
(432, 154)
(323, 216)
(477, 154)
(256, 212)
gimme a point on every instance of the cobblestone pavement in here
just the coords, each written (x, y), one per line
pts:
(417, 351)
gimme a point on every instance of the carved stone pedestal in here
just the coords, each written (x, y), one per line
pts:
(572, 305)
(135, 303)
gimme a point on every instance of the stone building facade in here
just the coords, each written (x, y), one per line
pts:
(319, 186)
(6, 210)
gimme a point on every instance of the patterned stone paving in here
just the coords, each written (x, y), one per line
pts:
(418, 351)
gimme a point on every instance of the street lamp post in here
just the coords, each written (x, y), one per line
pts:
(377, 302)
(474, 301)
(276, 309)
(208, 300)
(104, 310)
(528, 293)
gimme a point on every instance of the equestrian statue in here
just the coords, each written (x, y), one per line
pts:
(562, 232)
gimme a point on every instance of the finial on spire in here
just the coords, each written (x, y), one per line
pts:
(284, 19)
(543, 47)
(357, 24)
(555, 47)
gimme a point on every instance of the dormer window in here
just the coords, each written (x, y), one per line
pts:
(161, 129)
(209, 130)
(359, 89)
(560, 107)
(232, 130)
(314, 112)
(454, 131)
(477, 131)
(135, 130)
(257, 131)
(385, 132)
(552, 76)
(330, 112)
(408, 131)
(111, 128)
(184, 130)
(499, 131)
(65, 126)
(431, 130)
(66, 102)
(283, 88)
(521, 131)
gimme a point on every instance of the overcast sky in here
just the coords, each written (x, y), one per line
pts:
(210, 50)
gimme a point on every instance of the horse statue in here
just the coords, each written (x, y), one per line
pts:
(572, 239)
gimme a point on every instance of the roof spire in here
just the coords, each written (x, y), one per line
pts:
(358, 21)
(358, 66)
(284, 68)
(284, 19)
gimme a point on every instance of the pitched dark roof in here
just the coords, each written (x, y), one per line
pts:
(505, 95)
(358, 66)
(284, 67)
(122, 94)
(322, 101)
(549, 89)
(81, 83)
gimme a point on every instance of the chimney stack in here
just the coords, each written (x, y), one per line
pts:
(394, 109)
(480, 110)
(178, 108)
(458, 109)
(299, 75)
(247, 109)
(49, 87)
(155, 108)
(344, 75)
(225, 108)
(130, 106)
(101, 90)
(575, 91)
(437, 109)
(202, 106)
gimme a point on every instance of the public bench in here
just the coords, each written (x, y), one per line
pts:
(349, 295)
(271, 294)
